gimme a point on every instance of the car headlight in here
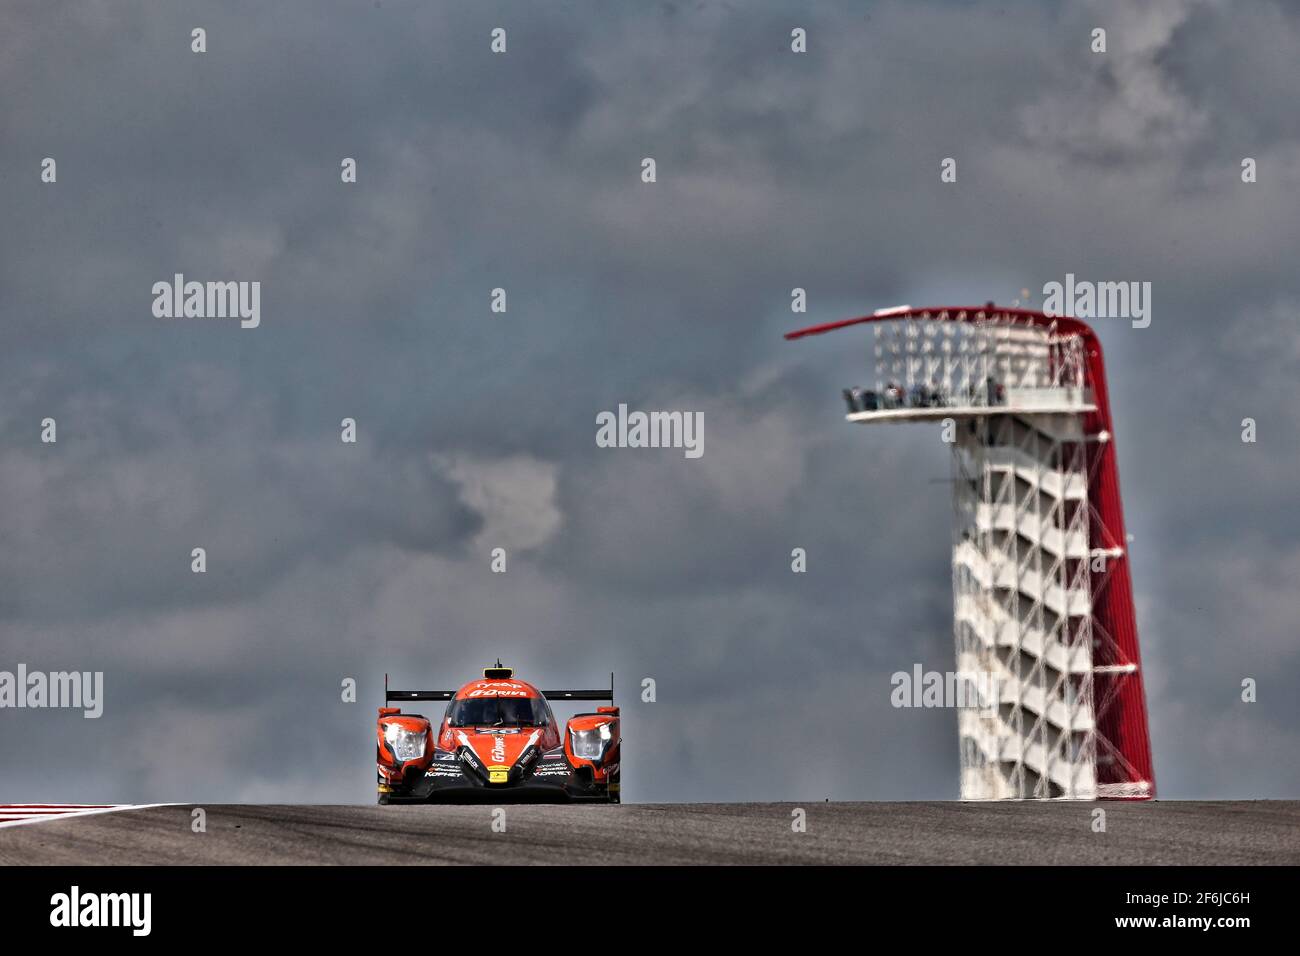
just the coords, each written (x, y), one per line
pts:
(589, 743)
(405, 744)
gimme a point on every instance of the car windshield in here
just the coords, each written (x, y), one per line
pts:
(499, 712)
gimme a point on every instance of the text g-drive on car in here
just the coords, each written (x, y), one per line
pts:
(498, 740)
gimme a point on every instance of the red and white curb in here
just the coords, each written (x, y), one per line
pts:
(19, 814)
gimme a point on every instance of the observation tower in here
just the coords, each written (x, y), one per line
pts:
(1042, 594)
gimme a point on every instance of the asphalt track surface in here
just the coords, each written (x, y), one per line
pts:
(1260, 832)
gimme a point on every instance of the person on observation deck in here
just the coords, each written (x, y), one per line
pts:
(936, 394)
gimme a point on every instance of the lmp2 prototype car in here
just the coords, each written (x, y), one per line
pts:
(498, 740)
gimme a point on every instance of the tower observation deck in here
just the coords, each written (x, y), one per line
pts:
(1042, 595)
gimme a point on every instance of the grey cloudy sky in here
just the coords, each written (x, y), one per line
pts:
(775, 170)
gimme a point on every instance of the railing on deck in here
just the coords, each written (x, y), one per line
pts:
(935, 363)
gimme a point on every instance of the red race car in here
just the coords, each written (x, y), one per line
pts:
(498, 740)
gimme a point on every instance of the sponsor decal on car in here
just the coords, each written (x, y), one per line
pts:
(555, 770)
(498, 689)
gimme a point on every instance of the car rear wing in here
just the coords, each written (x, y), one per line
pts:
(391, 695)
(600, 694)
(579, 695)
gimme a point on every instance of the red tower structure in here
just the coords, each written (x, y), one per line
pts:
(1043, 594)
